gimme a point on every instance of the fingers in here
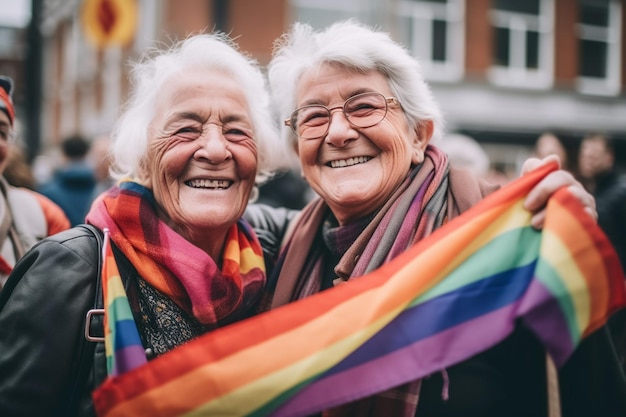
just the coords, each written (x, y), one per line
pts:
(538, 197)
(533, 163)
(588, 201)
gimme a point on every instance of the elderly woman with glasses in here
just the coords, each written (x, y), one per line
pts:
(362, 118)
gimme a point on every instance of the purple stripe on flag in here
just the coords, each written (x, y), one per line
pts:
(443, 312)
(408, 364)
(127, 358)
(553, 333)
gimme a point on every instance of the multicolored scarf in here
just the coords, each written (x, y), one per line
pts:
(176, 267)
(122, 342)
(473, 279)
(420, 205)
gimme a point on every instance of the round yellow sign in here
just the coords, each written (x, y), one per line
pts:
(108, 22)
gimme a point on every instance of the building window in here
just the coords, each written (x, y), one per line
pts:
(434, 31)
(599, 56)
(523, 51)
(322, 13)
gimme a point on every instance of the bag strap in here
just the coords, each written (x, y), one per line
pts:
(86, 348)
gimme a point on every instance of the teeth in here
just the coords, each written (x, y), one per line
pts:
(213, 184)
(349, 162)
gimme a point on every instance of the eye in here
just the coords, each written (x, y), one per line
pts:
(362, 105)
(188, 132)
(236, 133)
(314, 115)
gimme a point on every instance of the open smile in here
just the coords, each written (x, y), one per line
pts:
(209, 184)
(340, 163)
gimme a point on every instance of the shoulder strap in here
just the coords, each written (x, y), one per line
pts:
(86, 348)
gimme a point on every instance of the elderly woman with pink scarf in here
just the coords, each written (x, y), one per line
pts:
(194, 138)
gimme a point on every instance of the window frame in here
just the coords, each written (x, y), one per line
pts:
(516, 74)
(611, 35)
(423, 14)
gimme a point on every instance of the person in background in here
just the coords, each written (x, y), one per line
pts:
(596, 165)
(99, 158)
(196, 135)
(361, 117)
(73, 183)
(548, 143)
(17, 171)
(465, 152)
(285, 189)
(26, 217)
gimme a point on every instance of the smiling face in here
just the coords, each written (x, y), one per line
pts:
(202, 155)
(355, 170)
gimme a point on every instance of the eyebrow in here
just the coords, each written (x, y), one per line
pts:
(229, 118)
(352, 93)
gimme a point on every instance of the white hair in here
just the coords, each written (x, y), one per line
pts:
(354, 46)
(204, 51)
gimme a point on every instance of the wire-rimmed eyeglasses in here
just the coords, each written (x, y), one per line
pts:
(363, 110)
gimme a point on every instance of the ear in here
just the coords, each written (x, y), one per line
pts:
(421, 138)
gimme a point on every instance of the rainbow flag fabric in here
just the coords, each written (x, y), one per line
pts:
(451, 296)
(123, 347)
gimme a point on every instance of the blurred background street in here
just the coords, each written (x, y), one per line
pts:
(504, 71)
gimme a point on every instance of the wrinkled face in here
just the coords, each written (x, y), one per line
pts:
(355, 170)
(5, 132)
(202, 155)
(594, 158)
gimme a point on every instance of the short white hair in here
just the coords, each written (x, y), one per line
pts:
(204, 51)
(354, 46)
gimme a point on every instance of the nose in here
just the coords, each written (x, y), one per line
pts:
(340, 131)
(213, 146)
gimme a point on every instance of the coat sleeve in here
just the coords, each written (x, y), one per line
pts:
(270, 225)
(42, 316)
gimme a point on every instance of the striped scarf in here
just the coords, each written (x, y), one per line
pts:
(171, 264)
(416, 209)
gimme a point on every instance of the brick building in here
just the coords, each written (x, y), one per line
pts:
(503, 70)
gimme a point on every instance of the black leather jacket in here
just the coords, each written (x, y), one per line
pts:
(42, 319)
(43, 309)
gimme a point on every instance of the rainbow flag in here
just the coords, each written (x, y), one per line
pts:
(123, 347)
(451, 296)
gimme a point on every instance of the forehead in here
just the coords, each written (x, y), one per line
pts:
(330, 80)
(201, 85)
(597, 146)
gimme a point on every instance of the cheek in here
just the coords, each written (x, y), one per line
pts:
(246, 157)
(307, 152)
(168, 158)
